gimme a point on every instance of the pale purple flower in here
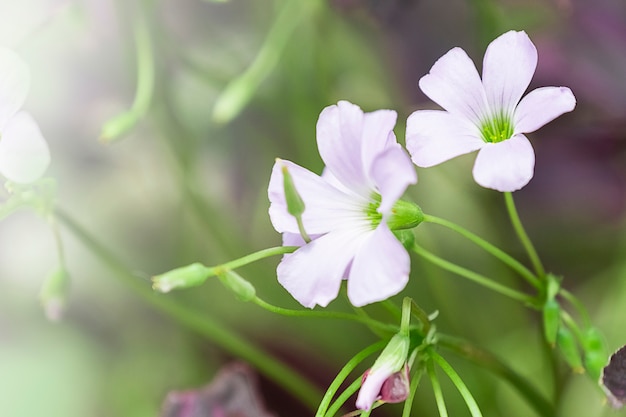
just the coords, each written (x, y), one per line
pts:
(24, 154)
(486, 115)
(345, 211)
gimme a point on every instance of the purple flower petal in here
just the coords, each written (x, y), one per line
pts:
(325, 205)
(541, 106)
(14, 84)
(392, 172)
(313, 273)
(370, 388)
(380, 268)
(505, 166)
(377, 135)
(24, 153)
(508, 67)
(455, 85)
(434, 136)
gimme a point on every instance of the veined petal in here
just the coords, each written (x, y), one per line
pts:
(377, 135)
(505, 166)
(434, 136)
(339, 140)
(380, 268)
(541, 106)
(508, 67)
(24, 153)
(370, 389)
(14, 84)
(454, 84)
(326, 207)
(392, 172)
(313, 273)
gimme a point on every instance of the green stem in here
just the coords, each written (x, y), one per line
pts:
(523, 236)
(257, 256)
(343, 374)
(341, 400)
(473, 276)
(387, 328)
(441, 404)
(408, 403)
(202, 324)
(490, 362)
(458, 382)
(488, 247)
(580, 308)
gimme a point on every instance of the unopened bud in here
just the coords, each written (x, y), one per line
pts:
(595, 353)
(569, 349)
(53, 294)
(405, 215)
(395, 389)
(551, 321)
(295, 204)
(243, 289)
(184, 277)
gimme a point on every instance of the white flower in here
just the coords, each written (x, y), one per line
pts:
(346, 211)
(24, 154)
(486, 115)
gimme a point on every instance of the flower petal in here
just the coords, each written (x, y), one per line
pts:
(14, 84)
(377, 135)
(508, 67)
(339, 140)
(392, 172)
(541, 106)
(24, 153)
(434, 136)
(380, 268)
(370, 388)
(505, 166)
(455, 85)
(313, 273)
(326, 207)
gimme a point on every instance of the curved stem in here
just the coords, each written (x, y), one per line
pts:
(492, 363)
(408, 403)
(257, 256)
(580, 308)
(441, 403)
(343, 374)
(388, 328)
(200, 323)
(523, 236)
(488, 247)
(458, 382)
(473, 276)
(341, 400)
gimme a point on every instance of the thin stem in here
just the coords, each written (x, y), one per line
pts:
(387, 328)
(200, 323)
(473, 276)
(486, 360)
(458, 382)
(343, 374)
(488, 247)
(343, 397)
(523, 236)
(441, 403)
(408, 403)
(580, 308)
(257, 256)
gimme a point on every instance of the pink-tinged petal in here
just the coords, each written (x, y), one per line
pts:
(339, 140)
(295, 239)
(392, 172)
(377, 134)
(455, 85)
(505, 166)
(326, 207)
(434, 136)
(541, 106)
(24, 153)
(380, 268)
(313, 273)
(370, 388)
(508, 67)
(14, 84)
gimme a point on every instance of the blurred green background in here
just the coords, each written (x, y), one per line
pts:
(188, 183)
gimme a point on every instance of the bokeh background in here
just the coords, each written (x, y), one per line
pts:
(188, 183)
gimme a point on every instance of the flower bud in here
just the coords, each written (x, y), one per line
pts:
(569, 349)
(243, 289)
(395, 389)
(405, 215)
(594, 352)
(53, 294)
(551, 321)
(183, 277)
(295, 205)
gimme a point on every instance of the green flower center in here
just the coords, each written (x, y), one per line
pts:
(497, 129)
(371, 211)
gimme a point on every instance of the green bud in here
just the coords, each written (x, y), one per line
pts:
(395, 354)
(118, 126)
(183, 277)
(569, 349)
(595, 353)
(551, 321)
(53, 294)
(406, 237)
(295, 205)
(553, 286)
(405, 215)
(237, 284)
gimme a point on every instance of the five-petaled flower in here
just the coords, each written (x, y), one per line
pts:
(24, 154)
(347, 209)
(487, 114)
